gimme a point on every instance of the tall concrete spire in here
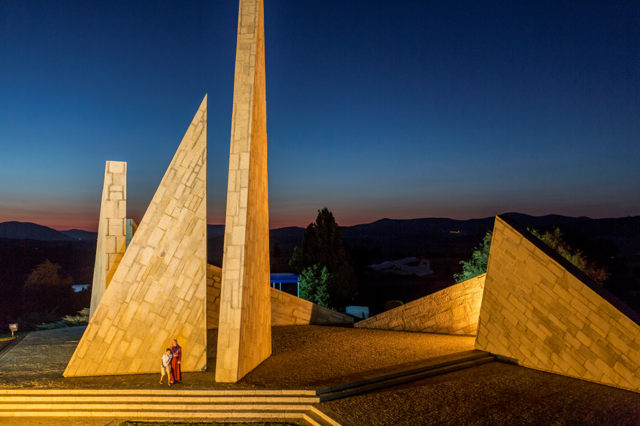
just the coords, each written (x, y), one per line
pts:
(244, 334)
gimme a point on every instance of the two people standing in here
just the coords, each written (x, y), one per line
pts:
(171, 364)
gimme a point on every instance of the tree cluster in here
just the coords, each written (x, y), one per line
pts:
(47, 290)
(324, 264)
(477, 263)
(556, 241)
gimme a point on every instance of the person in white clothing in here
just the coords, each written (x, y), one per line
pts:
(166, 366)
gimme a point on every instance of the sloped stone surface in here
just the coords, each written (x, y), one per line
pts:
(158, 291)
(540, 311)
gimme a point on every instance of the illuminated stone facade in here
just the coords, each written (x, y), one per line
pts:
(285, 308)
(453, 310)
(244, 333)
(544, 313)
(158, 292)
(111, 242)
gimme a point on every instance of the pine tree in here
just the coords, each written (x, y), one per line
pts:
(322, 245)
(322, 290)
(314, 284)
(308, 283)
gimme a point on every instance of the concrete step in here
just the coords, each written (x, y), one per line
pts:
(12, 407)
(316, 417)
(155, 398)
(169, 391)
(435, 367)
(159, 404)
(162, 415)
(7, 407)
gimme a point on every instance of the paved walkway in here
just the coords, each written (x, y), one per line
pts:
(39, 358)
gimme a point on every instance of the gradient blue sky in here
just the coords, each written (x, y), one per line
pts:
(375, 108)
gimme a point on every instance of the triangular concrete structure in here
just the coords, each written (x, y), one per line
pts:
(244, 334)
(453, 310)
(111, 242)
(158, 291)
(286, 309)
(544, 313)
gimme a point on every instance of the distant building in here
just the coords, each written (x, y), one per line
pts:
(358, 311)
(289, 280)
(417, 266)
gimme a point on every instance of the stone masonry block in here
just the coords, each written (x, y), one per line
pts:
(106, 244)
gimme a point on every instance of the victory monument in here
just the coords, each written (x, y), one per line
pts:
(530, 306)
(152, 284)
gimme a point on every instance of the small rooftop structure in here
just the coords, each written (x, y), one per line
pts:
(278, 279)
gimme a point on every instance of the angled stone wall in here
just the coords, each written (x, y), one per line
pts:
(158, 291)
(244, 334)
(111, 242)
(285, 308)
(453, 310)
(541, 311)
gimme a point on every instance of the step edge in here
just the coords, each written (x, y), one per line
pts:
(359, 383)
(402, 380)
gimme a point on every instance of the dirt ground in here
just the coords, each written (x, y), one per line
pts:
(304, 357)
(315, 357)
(491, 394)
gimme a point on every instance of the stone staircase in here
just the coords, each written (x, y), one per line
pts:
(433, 367)
(133, 404)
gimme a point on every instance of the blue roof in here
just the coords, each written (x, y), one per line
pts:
(284, 278)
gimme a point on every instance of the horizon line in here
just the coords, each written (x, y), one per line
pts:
(61, 229)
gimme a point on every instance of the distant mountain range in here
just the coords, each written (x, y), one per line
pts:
(33, 231)
(612, 243)
(393, 229)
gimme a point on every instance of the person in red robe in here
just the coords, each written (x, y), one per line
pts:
(176, 372)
